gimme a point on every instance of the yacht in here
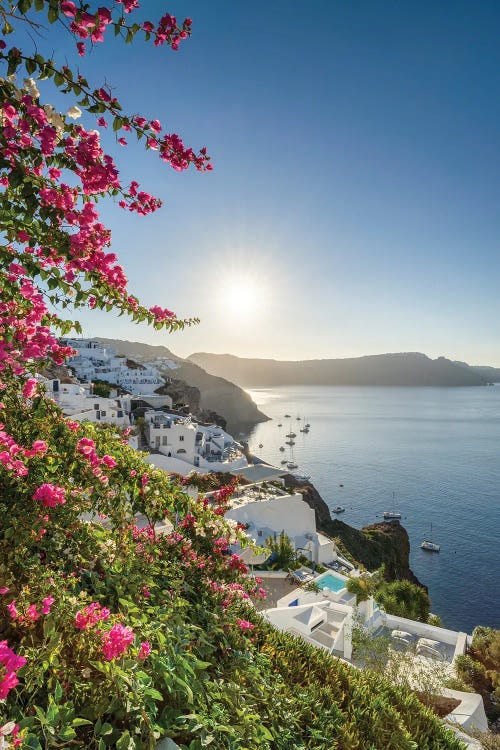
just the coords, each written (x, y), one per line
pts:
(260, 445)
(282, 449)
(290, 442)
(287, 416)
(391, 515)
(338, 509)
(302, 477)
(305, 427)
(291, 465)
(430, 546)
(291, 435)
(280, 425)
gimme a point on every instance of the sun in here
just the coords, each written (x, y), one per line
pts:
(242, 297)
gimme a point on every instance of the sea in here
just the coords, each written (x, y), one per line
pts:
(436, 449)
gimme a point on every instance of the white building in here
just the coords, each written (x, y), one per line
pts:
(267, 510)
(95, 361)
(77, 402)
(206, 448)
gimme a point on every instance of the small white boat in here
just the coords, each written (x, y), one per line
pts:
(298, 418)
(291, 435)
(305, 427)
(290, 442)
(291, 465)
(430, 545)
(302, 477)
(338, 509)
(287, 416)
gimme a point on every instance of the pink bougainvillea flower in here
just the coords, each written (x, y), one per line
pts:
(50, 495)
(11, 662)
(245, 624)
(47, 604)
(116, 641)
(30, 388)
(32, 614)
(144, 650)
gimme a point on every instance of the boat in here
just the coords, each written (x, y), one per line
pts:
(291, 461)
(430, 546)
(305, 428)
(291, 435)
(290, 442)
(287, 416)
(308, 425)
(392, 515)
(298, 418)
(260, 445)
(338, 509)
(280, 425)
(284, 462)
(282, 449)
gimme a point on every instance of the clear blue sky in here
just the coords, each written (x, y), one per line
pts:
(356, 178)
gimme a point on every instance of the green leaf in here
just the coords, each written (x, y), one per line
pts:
(58, 692)
(30, 66)
(125, 742)
(24, 6)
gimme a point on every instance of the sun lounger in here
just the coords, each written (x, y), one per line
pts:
(301, 576)
(428, 647)
(401, 637)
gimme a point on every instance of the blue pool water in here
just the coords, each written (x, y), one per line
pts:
(438, 449)
(329, 581)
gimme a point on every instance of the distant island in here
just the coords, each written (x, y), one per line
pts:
(404, 369)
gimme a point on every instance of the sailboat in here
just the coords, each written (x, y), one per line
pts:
(391, 515)
(282, 449)
(291, 463)
(305, 427)
(430, 546)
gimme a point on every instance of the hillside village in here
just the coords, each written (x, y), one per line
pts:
(311, 602)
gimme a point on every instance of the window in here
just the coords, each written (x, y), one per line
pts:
(181, 438)
(96, 406)
(103, 414)
(181, 450)
(164, 441)
(120, 413)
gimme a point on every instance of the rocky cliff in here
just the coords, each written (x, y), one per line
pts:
(380, 543)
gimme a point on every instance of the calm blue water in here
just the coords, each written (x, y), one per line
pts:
(438, 449)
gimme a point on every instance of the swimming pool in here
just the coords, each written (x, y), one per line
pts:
(330, 581)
